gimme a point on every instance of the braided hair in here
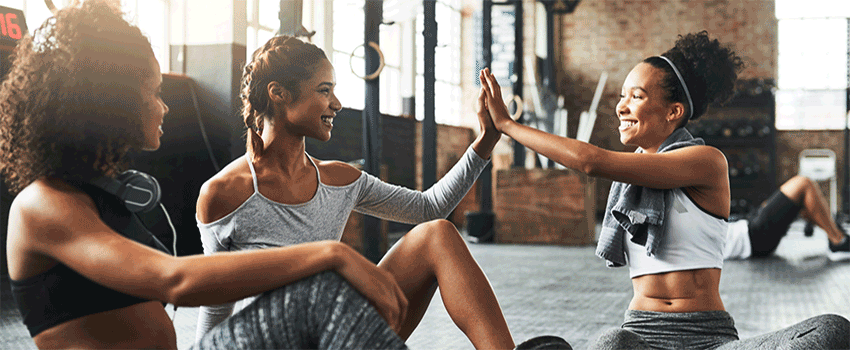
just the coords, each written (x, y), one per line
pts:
(283, 59)
(708, 68)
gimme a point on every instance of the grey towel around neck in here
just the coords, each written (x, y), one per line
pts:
(637, 210)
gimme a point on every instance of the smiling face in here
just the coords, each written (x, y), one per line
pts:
(313, 112)
(153, 108)
(646, 117)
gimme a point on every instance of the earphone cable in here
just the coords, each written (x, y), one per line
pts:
(173, 245)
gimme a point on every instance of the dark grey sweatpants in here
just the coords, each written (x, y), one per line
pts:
(716, 330)
(318, 312)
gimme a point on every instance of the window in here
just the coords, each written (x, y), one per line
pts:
(339, 31)
(447, 62)
(347, 34)
(812, 64)
(263, 23)
(150, 15)
(34, 10)
(348, 57)
(152, 18)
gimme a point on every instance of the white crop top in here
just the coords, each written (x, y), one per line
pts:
(693, 239)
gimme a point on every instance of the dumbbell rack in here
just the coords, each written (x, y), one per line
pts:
(744, 130)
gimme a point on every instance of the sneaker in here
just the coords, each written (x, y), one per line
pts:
(545, 342)
(809, 230)
(839, 252)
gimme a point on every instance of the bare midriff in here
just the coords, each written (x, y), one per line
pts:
(678, 291)
(139, 326)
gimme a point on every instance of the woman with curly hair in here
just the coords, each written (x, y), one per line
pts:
(668, 207)
(85, 272)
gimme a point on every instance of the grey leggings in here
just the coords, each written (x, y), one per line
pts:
(322, 311)
(716, 330)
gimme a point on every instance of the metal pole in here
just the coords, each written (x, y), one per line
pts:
(549, 71)
(845, 200)
(485, 189)
(480, 224)
(429, 124)
(549, 66)
(373, 10)
(486, 32)
(519, 149)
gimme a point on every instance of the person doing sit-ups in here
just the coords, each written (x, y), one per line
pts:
(759, 234)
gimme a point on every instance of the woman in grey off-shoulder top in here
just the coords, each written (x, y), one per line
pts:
(278, 196)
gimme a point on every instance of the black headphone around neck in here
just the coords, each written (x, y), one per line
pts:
(138, 191)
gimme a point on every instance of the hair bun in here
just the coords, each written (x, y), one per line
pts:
(709, 68)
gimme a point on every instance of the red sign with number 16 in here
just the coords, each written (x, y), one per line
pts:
(13, 25)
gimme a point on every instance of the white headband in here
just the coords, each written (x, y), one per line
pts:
(684, 86)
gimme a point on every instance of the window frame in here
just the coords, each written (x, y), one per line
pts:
(813, 100)
(323, 15)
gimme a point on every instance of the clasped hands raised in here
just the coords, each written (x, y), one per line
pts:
(491, 109)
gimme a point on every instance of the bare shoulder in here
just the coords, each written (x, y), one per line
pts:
(44, 214)
(336, 173)
(708, 155)
(225, 191)
(708, 150)
(46, 200)
(713, 155)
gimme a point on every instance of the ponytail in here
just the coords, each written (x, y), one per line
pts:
(283, 59)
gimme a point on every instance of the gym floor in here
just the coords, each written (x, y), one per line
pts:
(568, 292)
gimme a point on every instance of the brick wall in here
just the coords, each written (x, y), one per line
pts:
(613, 36)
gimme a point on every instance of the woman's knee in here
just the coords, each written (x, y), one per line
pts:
(797, 187)
(444, 229)
(619, 338)
(329, 277)
(834, 324)
(439, 225)
(827, 331)
(333, 284)
(305, 290)
(436, 231)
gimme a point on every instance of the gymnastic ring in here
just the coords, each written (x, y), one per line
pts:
(518, 113)
(51, 6)
(381, 65)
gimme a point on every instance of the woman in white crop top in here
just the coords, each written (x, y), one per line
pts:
(667, 210)
(277, 195)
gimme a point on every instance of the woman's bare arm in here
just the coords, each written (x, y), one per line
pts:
(71, 232)
(697, 166)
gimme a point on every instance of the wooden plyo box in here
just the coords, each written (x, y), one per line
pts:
(545, 206)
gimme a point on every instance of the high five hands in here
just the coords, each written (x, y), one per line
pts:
(484, 120)
(490, 100)
(492, 112)
(489, 135)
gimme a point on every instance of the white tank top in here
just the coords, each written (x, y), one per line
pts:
(693, 239)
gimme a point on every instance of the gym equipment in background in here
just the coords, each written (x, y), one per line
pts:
(744, 131)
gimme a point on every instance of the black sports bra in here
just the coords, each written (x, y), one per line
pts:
(61, 294)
